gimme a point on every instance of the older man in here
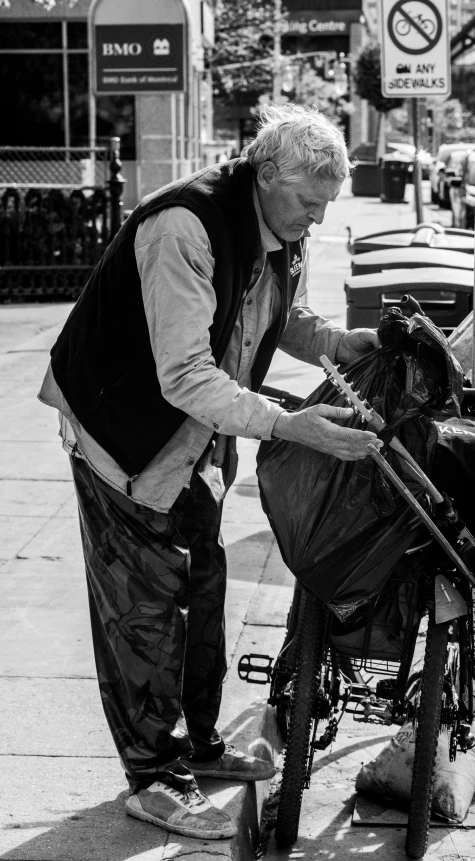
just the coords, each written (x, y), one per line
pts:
(156, 371)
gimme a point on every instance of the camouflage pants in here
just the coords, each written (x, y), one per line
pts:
(156, 585)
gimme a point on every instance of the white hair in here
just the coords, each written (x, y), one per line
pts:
(298, 138)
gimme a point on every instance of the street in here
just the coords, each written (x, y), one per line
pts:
(62, 786)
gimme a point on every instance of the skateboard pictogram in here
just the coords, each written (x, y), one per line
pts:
(415, 26)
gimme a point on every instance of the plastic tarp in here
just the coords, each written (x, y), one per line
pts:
(340, 525)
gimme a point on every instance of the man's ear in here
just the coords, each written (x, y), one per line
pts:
(266, 174)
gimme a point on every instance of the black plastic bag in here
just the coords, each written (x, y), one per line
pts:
(378, 629)
(340, 525)
(453, 470)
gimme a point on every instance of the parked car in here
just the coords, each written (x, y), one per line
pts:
(440, 161)
(423, 156)
(462, 194)
(452, 169)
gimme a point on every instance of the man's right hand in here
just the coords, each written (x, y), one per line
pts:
(319, 427)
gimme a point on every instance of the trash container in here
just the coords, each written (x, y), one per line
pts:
(444, 294)
(395, 169)
(409, 258)
(430, 235)
(366, 179)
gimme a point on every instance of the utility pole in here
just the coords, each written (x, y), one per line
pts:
(417, 169)
(277, 58)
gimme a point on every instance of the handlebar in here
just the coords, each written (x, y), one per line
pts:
(284, 399)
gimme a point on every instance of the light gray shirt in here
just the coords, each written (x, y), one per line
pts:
(176, 269)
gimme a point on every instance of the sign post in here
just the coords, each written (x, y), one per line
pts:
(415, 61)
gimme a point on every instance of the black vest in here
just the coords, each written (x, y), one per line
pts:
(103, 360)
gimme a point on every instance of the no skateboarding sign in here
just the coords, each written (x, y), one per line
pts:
(415, 48)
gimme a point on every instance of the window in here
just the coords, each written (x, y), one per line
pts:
(37, 66)
(44, 99)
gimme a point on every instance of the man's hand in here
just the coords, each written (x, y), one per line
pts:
(316, 428)
(355, 343)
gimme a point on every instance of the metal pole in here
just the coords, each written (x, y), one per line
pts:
(116, 185)
(92, 88)
(417, 170)
(472, 378)
(173, 123)
(276, 87)
(67, 118)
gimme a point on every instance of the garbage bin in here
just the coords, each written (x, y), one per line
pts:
(410, 258)
(395, 169)
(445, 295)
(366, 179)
(430, 235)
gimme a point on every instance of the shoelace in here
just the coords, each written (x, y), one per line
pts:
(229, 748)
(190, 798)
(187, 791)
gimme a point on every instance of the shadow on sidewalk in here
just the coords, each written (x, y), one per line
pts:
(104, 832)
(100, 833)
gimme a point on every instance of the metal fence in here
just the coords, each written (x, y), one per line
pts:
(54, 225)
(55, 167)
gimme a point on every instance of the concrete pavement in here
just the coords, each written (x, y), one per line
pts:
(63, 788)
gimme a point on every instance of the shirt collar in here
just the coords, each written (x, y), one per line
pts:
(269, 241)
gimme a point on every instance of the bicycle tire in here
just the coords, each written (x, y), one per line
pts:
(301, 714)
(427, 738)
(402, 28)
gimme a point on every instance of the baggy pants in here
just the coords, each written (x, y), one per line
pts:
(156, 585)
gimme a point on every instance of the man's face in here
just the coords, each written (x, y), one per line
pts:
(289, 208)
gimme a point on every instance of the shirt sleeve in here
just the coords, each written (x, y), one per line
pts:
(176, 269)
(308, 336)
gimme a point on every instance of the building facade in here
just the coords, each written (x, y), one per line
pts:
(48, 99)
(460, 13)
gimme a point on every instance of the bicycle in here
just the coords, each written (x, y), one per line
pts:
(317, 677)
(403, 26)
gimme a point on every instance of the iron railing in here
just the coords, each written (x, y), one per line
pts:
(54, 228)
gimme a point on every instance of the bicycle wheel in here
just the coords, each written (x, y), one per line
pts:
(427, 737)
(428, 26)
(301, 712)
(403, 27)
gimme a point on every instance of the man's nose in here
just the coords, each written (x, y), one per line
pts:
(318, 213)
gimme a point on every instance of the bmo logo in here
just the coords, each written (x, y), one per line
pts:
(161, 47)
(127, 49)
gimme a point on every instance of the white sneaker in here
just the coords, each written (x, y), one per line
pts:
(176, 804)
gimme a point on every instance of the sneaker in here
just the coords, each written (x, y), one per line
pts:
(175, 803)
(232, 765)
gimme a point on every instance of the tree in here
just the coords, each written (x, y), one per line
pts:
(244, 35)
(367, 79)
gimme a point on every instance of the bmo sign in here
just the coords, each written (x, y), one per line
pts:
(135, 58)
(116, 50)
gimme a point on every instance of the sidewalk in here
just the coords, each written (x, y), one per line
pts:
(63, 788)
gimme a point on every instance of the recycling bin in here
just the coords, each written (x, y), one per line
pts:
(395, 169)
(366, 179)
(444, 294)
(430, 235)
(410, 258)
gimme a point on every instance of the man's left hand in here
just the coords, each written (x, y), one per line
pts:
(355, 344)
